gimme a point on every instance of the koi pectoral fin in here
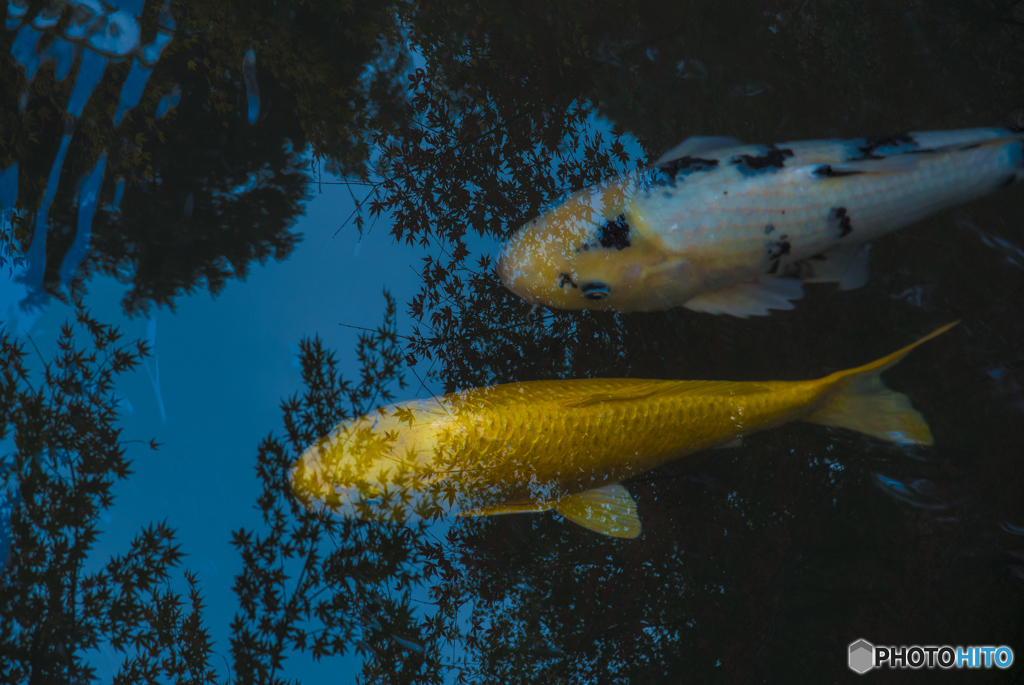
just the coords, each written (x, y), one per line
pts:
(609, 510)
(749, 298)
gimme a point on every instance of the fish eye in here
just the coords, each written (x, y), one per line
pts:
(596, 291)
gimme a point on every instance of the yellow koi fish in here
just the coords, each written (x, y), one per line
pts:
(737, 229)
(567, 445)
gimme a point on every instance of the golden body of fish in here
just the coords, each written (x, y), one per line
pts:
(566, 445)
(737, 229)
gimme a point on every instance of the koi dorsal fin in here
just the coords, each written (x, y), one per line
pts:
(648, 390)
(635, 392)
(895, 164)
(609, 510)
(508, 508)
(696, 146)
(907, 160)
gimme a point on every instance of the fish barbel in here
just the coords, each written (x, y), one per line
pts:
(737, 229)
(567, 445)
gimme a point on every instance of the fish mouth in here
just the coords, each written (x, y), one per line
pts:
(545, 275)
(507, 273)
(313, 486)
(541, 261)
(519, 274)
(536, 264)
(306, 477)
(351, 502)
(316, 490)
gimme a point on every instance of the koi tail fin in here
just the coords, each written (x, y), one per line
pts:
(864, 404)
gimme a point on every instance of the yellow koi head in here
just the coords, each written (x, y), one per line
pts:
(592, 252)
(376, 467)
(420, 460)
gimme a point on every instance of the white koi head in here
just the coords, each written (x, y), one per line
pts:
(591, 252)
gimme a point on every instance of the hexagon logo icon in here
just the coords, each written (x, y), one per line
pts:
(862, 656)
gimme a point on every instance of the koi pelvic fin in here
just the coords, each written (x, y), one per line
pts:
(865, 405)
(609, 510)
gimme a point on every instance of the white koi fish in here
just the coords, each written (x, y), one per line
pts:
(738, 229)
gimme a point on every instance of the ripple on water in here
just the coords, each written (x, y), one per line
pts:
(1013, 528)
(920, 492)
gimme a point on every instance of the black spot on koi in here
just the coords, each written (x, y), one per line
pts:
(687, 163)
(827, 171)
(777, 249)
(772, 158)
(768, 228)
(565, 278)
(872, 143)
(839, 218)
(612, 234)
(615, 233)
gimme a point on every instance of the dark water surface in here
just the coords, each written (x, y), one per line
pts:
(225, 183)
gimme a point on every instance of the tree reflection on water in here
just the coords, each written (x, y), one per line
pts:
(765, 562)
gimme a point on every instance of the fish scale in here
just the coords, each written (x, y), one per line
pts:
(568, 444)
(592, 436)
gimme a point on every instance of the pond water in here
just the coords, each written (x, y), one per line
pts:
(229, 228)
